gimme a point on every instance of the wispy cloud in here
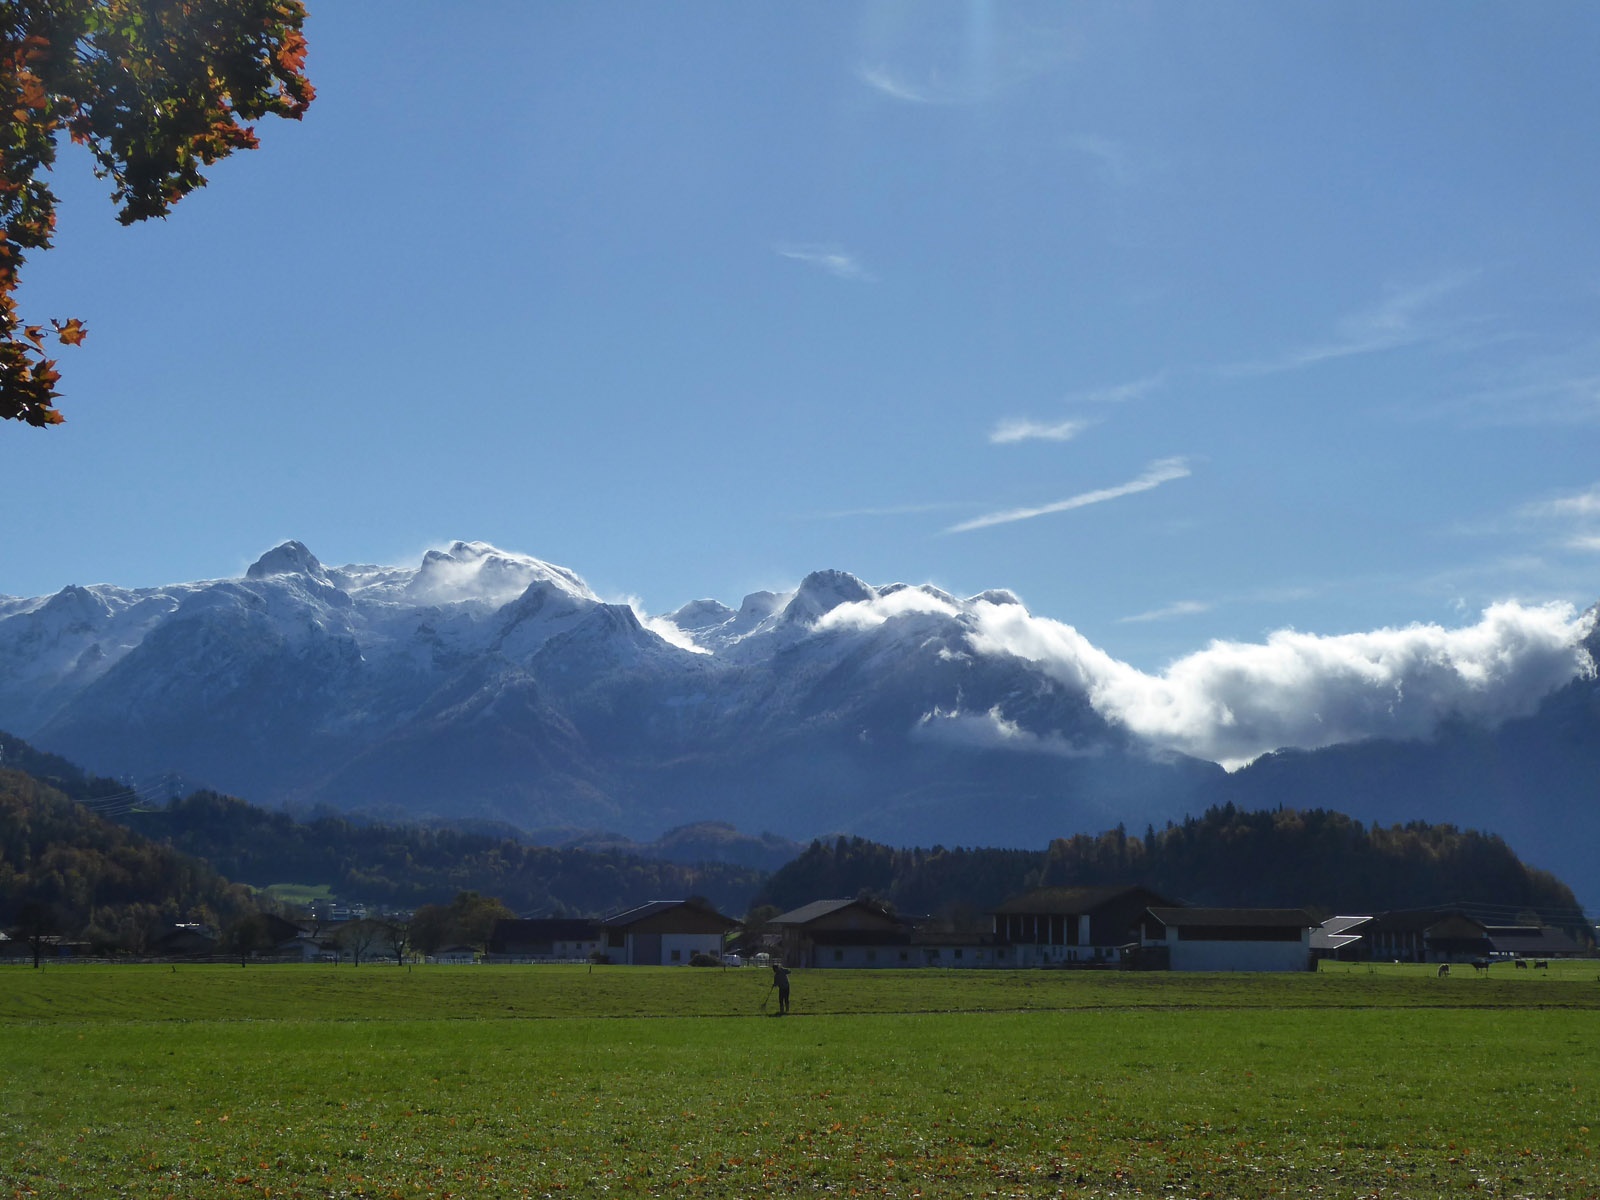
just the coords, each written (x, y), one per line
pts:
(943, 55)
(836, 262)
(662, 627)
(889, 510)
(1183, 608)
(1562, 389)
(1163, 471)
(1579, 505)
(1397, 320)
(932, 91)
(1023, 429)
(1122, 393)
(1577, 516)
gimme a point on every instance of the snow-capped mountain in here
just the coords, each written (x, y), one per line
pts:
(485, 683)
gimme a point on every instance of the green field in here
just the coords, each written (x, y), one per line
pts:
(512, 1081)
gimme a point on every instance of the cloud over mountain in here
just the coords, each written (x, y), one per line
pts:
(1233, 701)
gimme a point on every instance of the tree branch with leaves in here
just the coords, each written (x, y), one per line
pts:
(156, 90)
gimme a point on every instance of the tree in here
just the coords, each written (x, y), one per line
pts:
(248, 935)
(156, 90)
(358, 937)
(396, 937)
(430, 928)
(38, 924)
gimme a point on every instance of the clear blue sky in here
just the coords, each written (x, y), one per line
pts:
(1181, 321)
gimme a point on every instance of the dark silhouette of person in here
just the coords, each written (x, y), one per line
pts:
(780, 980)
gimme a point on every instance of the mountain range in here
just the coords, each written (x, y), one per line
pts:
(488, 685)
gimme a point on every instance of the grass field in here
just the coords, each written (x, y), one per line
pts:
(322, 1081)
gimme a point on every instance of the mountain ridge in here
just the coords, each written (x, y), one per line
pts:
(486, 684)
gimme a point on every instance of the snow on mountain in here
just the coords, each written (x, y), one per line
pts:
(481, 682)
(291, 558)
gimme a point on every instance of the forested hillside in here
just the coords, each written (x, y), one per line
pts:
(408, 865)
(400, 865)
(1284, 857)
(66, 871)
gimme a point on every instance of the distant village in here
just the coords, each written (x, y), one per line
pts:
(1083, 928)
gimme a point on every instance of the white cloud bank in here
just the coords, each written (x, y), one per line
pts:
(1233, 701)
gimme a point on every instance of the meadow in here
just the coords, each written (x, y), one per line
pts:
(318, 1081)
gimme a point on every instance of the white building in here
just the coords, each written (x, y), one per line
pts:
(1229, 939)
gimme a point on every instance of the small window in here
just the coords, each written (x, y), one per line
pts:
(677, 956)
(905, 956)
(872, 956)
(838, 956)
(958, 954)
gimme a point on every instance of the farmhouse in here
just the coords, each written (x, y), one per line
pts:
(665, 932)
(1229, 939)
(544, 939)
(1058, 926)
(842, 933)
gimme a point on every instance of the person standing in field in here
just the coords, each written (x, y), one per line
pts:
(780, 980)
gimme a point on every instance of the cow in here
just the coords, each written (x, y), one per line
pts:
(1541, 964)
(1480, 964)
(1444, 969)
(1521, 964)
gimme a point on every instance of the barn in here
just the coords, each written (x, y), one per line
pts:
(1230, 939)
(665, 933)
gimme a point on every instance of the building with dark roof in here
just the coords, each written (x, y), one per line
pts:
(1531, 941)
(544, 939)
(665, 933)
(1230, 939)
(1063, 926)
(843, 933)
(1430, 935)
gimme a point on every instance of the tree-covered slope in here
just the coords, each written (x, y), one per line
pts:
(1318, 859)
(82, 876)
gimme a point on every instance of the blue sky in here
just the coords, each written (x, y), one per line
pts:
(1182, 322)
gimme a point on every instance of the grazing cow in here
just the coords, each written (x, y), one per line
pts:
(1541, 964)
(1480, 964)
(1444, 969)
(1522, 964)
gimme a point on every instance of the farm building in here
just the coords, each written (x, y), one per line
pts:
(1431, 935)
(544, 939)
(1053, 926)
(1340, 938)
(1531, 941)
(843, 933)
(1229, 939)
(665, 933)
